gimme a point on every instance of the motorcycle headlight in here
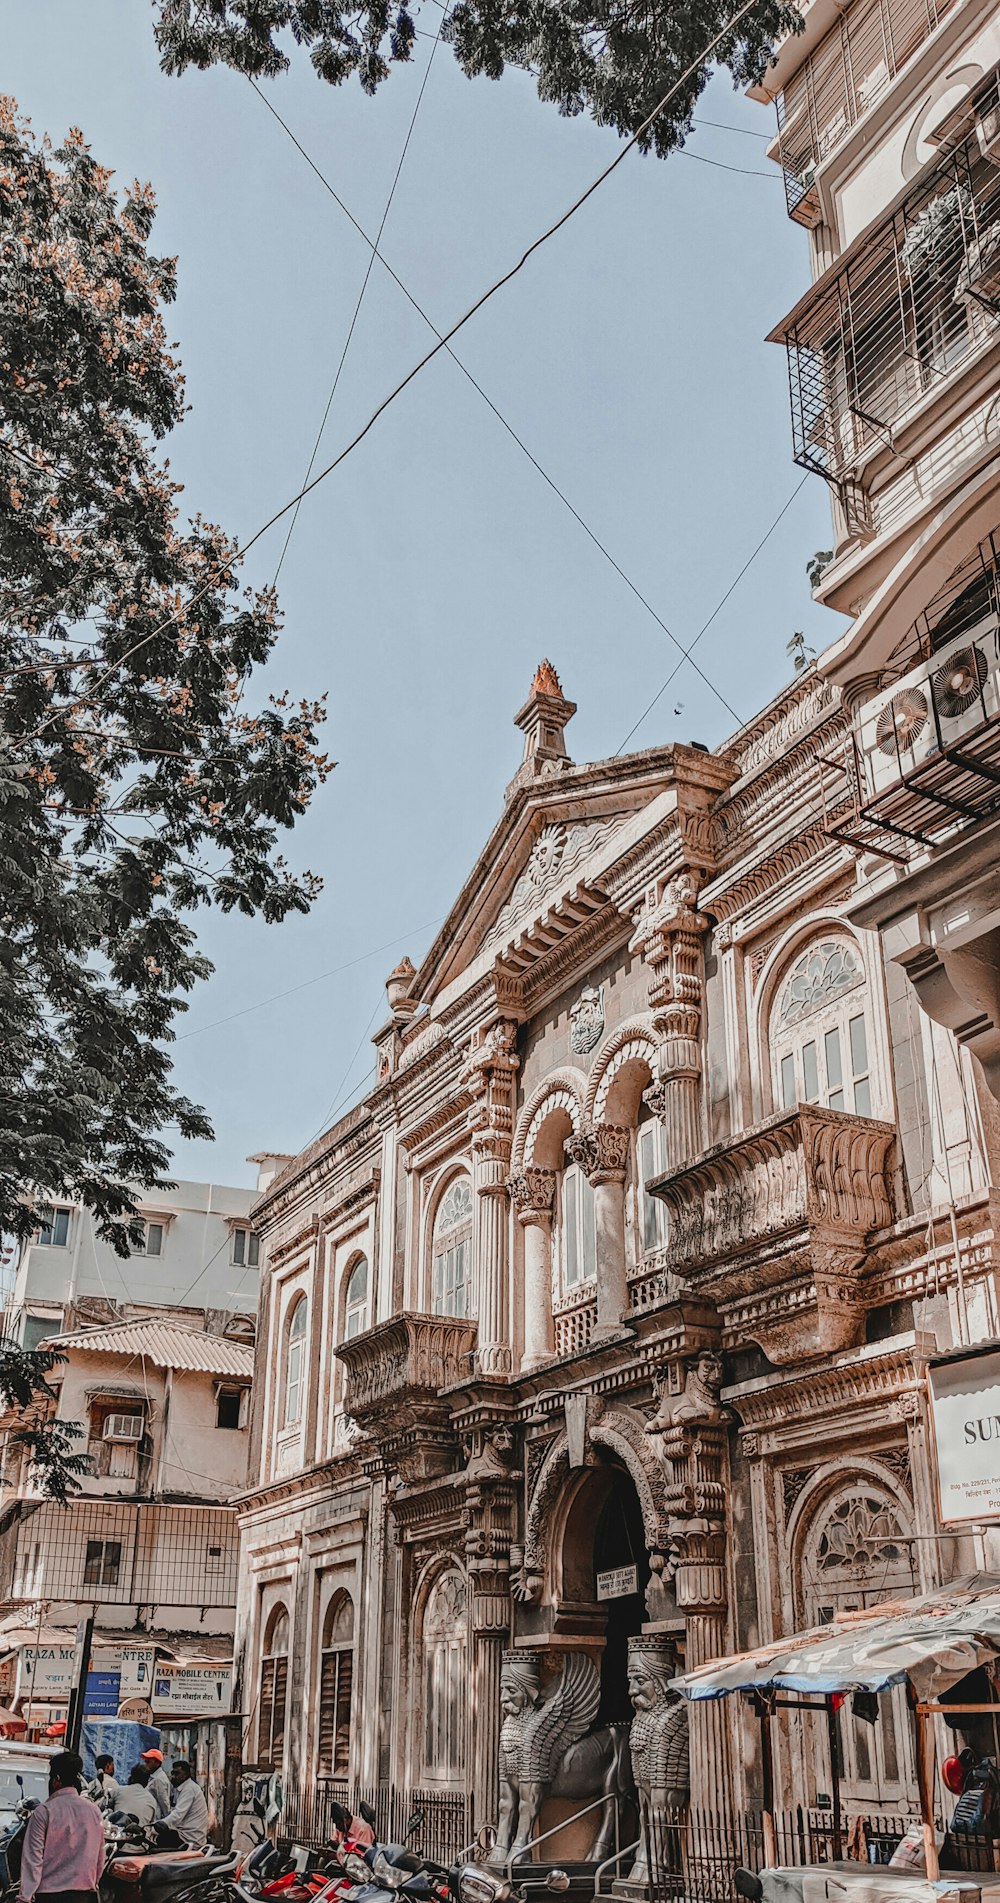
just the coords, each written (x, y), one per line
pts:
(354, 1866)
(478, 1886)
(389, 1874)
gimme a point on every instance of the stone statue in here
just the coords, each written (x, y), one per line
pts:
(549, 1749)
(699, 1401)
(659, 1741)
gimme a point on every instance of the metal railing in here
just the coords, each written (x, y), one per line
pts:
(447, 1815)
(912, 303)
(847, 73)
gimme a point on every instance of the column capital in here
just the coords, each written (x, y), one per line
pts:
(532, 1192)
(601, 1153)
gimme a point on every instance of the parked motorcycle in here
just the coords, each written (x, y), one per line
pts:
(137, 1872)
(11, 1846)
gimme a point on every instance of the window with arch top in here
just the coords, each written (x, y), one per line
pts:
(295, 1362)
(820, 1033)
(273, 1689)
(451, 1251)
(356, 1300)
(336, 1680)
(650, 1162)
(445, 1691)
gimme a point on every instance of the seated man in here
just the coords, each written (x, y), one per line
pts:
(185, 1826)
(136, 1799)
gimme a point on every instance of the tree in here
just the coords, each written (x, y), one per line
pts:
(137, 783)
(606, 57)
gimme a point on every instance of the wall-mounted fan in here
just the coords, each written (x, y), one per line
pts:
(901, 721)
(959, 684)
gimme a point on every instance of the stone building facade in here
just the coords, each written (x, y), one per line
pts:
(620, 1281)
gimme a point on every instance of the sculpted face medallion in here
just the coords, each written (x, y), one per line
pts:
(586, 1020)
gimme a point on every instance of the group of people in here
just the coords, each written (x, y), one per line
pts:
(64, 1848)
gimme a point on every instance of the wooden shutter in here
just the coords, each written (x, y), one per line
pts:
(336, 1678)
(273, 1697)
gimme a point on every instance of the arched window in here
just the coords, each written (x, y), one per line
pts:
(820, 1031)
(578, 1230)
(650, 1162)
(356, 1300)
(856, 1553)
(295, 1362)
(336, 1680)
(451, 1251)
(445, 1691)
(273, 1689)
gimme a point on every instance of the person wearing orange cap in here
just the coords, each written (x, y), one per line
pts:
(159, 1783)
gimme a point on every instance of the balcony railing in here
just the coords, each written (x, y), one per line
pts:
(848, 71)
(405, 1361)
(912, 304)
(771, 1227)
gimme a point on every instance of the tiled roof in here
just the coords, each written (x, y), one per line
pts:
(165, 1344)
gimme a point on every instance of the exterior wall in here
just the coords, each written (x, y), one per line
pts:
(616, 964)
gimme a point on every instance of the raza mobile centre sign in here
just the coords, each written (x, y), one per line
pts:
(964, 1393)
(191, 1689)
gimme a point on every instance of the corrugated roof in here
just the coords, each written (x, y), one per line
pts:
(165, 1344)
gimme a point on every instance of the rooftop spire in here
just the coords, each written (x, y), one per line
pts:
(541, 720)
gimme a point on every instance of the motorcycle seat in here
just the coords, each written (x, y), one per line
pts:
(182, 1866)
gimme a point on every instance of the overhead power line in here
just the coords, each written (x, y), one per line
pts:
(491, 291)
(720, 604)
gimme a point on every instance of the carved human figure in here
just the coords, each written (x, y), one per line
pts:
(699, 1400)
(659, 1743)
(548, 1749)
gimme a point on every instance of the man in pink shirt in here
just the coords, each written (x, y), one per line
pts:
(63, 1855)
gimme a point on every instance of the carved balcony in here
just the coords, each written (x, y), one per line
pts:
(772, 1228)
(396, 1374)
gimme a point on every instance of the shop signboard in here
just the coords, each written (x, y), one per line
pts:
(620, 1583)
(964, 1395)
(45, 1671)
(136, 1664)
(187, 1690)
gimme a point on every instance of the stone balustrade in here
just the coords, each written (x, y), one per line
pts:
(772, 1227)
(404, 1360)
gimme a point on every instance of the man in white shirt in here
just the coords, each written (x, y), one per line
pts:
(159, 1783)
(185, 1826)
(136, 1799)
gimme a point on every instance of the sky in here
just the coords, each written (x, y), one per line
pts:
(428, 575)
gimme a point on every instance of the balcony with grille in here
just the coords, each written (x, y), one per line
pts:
(845, 75)
(396, 1374)
(885, 333)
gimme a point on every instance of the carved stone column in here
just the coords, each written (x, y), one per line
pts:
(690, 1431)
(489, 1074)
(490, 1499)
(668, 934)
(533, 1196)
(602, 1154)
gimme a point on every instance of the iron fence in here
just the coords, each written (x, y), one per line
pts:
(695, 1853)
(445, 1831)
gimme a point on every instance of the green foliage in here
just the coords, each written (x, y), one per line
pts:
(136, 783)
(605, 57)
(52, 1444)
(802, 655)
(817, 566)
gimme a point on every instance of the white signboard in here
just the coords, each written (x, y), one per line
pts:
(619, 1583)
(201, 1689)
(45, 1669)
(965, 1416)
(136, 1664)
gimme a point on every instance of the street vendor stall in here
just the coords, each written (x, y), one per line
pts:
(929, 1644)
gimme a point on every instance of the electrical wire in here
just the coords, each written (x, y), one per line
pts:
(480, 302)
(715, 611)
(501, 419)
(364, 286)
(340, 1098)
(333, 972)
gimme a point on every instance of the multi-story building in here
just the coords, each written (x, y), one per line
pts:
(605, 1315)
(155, 1361)
(889, 135)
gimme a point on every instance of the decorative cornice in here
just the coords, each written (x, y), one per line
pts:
(843, 1385)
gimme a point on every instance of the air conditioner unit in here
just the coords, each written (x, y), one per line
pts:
(933, 707)
(123, 1427)
(988, 133)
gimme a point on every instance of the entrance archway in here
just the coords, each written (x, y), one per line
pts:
(603, 1534)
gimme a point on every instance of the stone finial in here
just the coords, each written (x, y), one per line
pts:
(397, 987)
(542, 718)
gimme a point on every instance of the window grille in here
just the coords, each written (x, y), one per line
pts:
(842, 78)
(910, 306)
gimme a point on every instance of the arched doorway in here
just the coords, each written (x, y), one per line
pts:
(604, 1574)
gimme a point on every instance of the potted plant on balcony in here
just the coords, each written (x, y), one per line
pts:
(934, 248)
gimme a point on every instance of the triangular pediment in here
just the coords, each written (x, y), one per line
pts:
(557, 858)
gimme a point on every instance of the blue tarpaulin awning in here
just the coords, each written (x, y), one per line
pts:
(933, 1641)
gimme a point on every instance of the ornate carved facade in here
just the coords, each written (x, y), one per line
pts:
(647, 1192)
